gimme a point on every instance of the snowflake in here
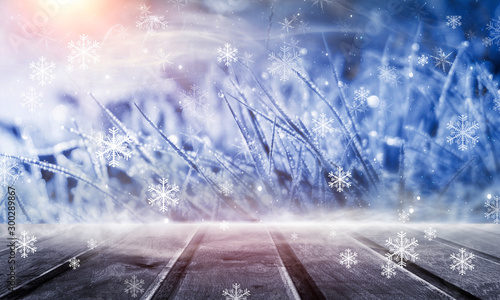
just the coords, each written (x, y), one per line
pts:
(442, 59)
(462, 133)
(44, 36)
(286, 25)
(42, 71)
(493, 209)
(388, 74)
(294, 236)
(122, 31)
(32, 99)
(497, 105)
(321, 3)
(163, 194)
(8, 171)
(91, 244)
(404, 216)
(162, 58)
(236, 293)
(134, 286)
(26, 244)
(323, 125)
(360, 97)
(430, 233)
(284, 63)
(293, 44)
(306, 249)
(114, 146)
(227, 54)
(402, 248)
(454, 21)
(226, 188)
(178, 3)
(494, 28)
(388, 269)
(333, 233)
(150, 23)
(247, 59)
(74, 263)
(195, 102)
(462, 261)
(83, 51)
(348, 258)
(223, 225)
(423, 60)
(340, 180)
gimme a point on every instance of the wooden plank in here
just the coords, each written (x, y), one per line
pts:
(320, 254)
(243, 254)
(435, 258)
(55, 247)
(142, 253)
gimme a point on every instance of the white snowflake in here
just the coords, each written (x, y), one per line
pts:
(178, 3)
(339, 180)
(91, 244)
(333, 233)
(162, 58)
(454, 21)
(163, 194)
(194, 102)
(247, 59)
(462, 261)
(323, 125)
(8, 171)
(114, 147)
(226, 188)
(462, 133)
(32, 99)
(348, 258)
(360, 97)
(134, 286)
(74, 263)
(423, 60)
(321, 3)
(227, 54)
(387, 73)
(402, 249)
(497, 105)
(42, 71)
(294, 236)
(286, 25)
(223, 225)
(83, 52)
(284, 63)
(122, 31)
(404, 216)
(25, 244)
(388, 269)
(236, 293)
(441, 59)
(494, 28)
(430, 233)
(150, 23)
(493, 210)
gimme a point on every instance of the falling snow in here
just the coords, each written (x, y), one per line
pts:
(404, 216)
(163, 195)
(42, 71)
(389, 269)
(322, 125)
(286, 25)
(236, 293)
(74, 263)
(454, 21)
(25, 244)
(387, 74)
(348, 258)
(321, 3)
(8, 171)
(360, 97)
(223, 225)
(91, 244)
(339, 180)
(462, 261)
(430, 233)
(83, 52)
(227, 54)
(284, 63)
(493, 209)
(423, 60)
(114, 147)
(494, 29)
(402, 249)
(462, 133)
(226, 188)
(194, 102)
(134, 286)
(294, 236)
(441, 59)
(32, 99)
(151, 23)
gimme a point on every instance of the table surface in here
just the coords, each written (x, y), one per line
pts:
(266, 261)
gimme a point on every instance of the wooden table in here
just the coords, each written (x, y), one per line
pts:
(266, 261)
